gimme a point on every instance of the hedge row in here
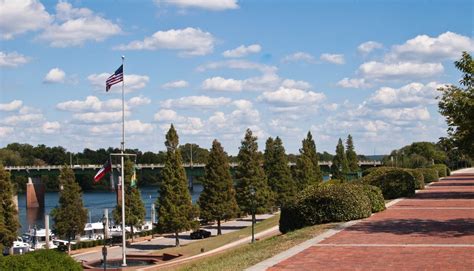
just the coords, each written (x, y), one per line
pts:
(442, 169)
(429, 174)
(420, 180)
(326, 203)
(394, 182)
(41, 260)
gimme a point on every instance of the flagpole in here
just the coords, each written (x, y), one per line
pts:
(124, 237)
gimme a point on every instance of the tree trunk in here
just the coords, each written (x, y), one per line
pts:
(219, 232)
(69, 245)
(131, 229)
(177, 239)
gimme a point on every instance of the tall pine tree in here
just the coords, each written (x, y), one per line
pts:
(175, 209)
(307, 171)
(339, 166)
(253, 193)
(217, 200)
(351, 155)
(278, 171)
(9, 223)
(134, 207)
(70, 216)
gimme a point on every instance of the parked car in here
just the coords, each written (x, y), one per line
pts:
(200, 234)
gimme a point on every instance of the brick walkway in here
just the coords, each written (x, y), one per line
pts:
(434, 230)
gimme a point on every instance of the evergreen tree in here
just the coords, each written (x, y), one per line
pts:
(339, 166)
(9, 223)
(175, 209)
(278, 171)
(253, 193)
(351, 155)
(217, 200)
(70, 216)
(307, 171)
(134, 207)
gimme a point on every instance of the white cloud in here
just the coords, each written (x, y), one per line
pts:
(5, 131)
(11, 106)
(175, 84)
(405, 114)
(167, 115)
(99, 117)
(331, 106)
(410, 94)
(77, 26)
(196, 102)
(299, 56)
(133, 82)
(367, 47)
(353, 83)
(291, 96)
(94, 104)
(12, 59)
(131, 126)
(242, 51)
(215, 5)
(188, 41)
(50, 127)
(243, 104)
(20, 16)
(138, 101)
(447, 45)
(222, 84)
(333, 58)
(382, 71)
(22, 118)
(55, 75)
(289, 83)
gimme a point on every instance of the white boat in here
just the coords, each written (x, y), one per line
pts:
(36, 238)
(19, 247)
(93, 231)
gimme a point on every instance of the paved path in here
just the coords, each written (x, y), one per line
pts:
(434, 230)
(147, 247)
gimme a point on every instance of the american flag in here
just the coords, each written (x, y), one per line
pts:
(115, 78)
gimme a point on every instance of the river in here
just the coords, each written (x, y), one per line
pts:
(94, 201)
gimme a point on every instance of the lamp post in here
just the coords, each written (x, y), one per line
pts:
(252, 193)
(104, 248)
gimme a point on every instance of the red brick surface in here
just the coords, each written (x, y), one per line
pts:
(434, 230)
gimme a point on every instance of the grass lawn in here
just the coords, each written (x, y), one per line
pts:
(249, 254)
(218, 241)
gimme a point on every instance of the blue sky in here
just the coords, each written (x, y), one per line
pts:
(215, 68)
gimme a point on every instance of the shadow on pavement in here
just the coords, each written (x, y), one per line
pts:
(431, 194)
(445, 229)
(149, 246)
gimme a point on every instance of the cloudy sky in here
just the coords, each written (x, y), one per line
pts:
(217, 67)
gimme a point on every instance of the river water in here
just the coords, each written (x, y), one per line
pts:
(95, 202)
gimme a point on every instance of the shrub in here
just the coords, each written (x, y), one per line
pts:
(420, 180)
(47, 260)
(372, 169)
(325, 203)
(429, 174)
(334, 181)
(394, 182)
(376, 198)
(442, 169)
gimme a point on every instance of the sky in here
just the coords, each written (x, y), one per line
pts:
(214, 68)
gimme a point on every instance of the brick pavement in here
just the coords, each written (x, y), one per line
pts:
(434, 230)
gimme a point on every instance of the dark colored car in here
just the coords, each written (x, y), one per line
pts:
(200, 234)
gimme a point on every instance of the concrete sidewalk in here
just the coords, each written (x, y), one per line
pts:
(434, 230)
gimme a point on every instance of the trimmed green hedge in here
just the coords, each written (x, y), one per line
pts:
(41, 260)
(442, 169)
(394, 182)
(429, 174)
(420, 180)
(325, 203)
(376, 198)
(372, 169)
